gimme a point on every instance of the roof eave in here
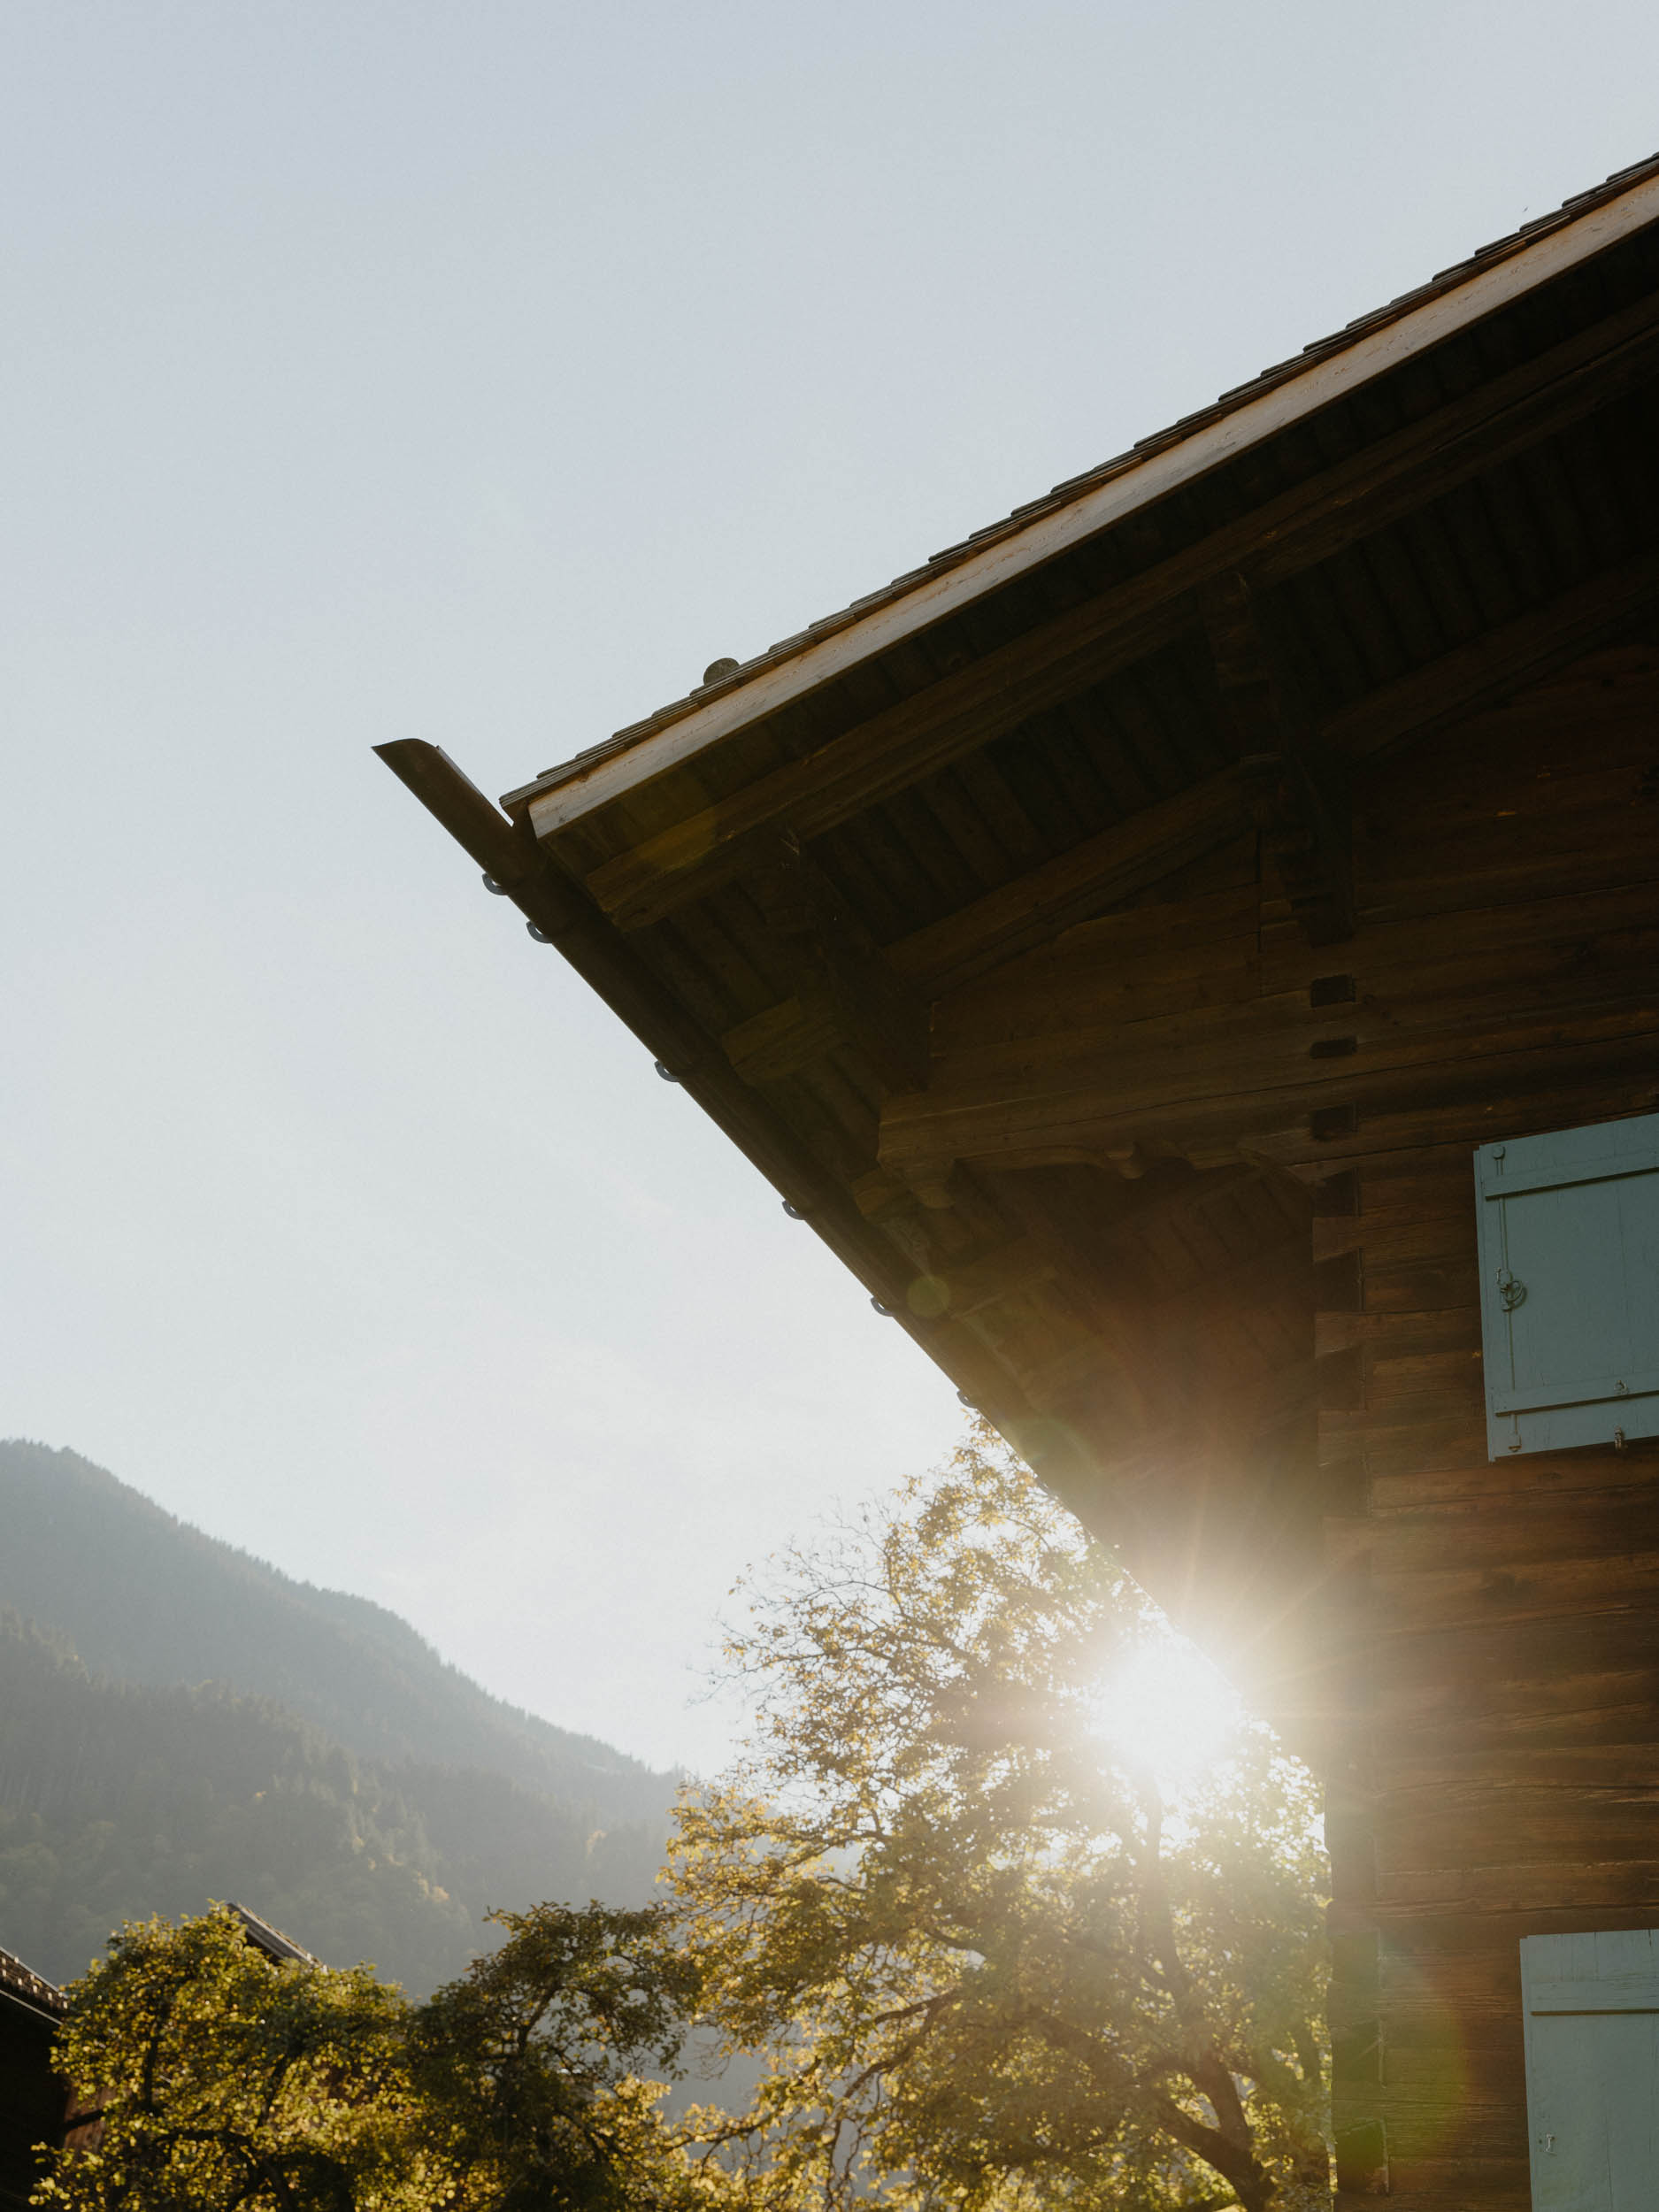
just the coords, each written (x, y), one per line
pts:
(1370, 348)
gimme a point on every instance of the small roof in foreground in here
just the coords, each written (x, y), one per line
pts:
(29, 1989)
(277, 1946)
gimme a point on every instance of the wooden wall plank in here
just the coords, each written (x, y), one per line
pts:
(1506, 1632)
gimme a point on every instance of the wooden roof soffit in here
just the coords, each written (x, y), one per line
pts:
(1227, 1105)
(1120, 861)
(1052, 661)
(1331, 370)
(1138, 852)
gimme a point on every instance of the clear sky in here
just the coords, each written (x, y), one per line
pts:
(479, 372)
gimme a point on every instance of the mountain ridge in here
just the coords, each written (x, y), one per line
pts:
(184, 1721)
(237, 1619)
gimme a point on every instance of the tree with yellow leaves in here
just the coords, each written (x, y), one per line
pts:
(991, 1966)
(230, 2082)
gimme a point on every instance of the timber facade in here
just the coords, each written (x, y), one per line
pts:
(1115, 939)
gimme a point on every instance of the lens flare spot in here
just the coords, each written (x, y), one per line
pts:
(1167, 1709)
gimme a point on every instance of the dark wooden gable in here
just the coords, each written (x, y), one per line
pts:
(1116, 957)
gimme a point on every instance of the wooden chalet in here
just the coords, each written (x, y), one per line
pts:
(1183, 949)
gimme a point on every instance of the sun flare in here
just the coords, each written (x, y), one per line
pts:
(1167, 1709)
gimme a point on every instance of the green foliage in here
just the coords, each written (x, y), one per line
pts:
(992, 1968)
(229, 2082)
(535, 2056)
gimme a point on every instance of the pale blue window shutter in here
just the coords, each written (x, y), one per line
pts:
(1570, 1286)
(1592, 2009)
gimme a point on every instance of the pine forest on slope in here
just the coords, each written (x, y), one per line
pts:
(182, 1722)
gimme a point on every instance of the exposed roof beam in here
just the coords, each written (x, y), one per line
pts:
(1113, 865)
(1222, 1109)
(784, 1038)
(1378, 345)
(1488, 668)
(1139, 851)
(1046, 666)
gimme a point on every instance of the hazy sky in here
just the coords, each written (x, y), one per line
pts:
(479, 372)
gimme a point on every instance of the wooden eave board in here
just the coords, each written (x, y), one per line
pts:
(30, 1990)
(1282, 399)
(1397, 599)
(910, 864)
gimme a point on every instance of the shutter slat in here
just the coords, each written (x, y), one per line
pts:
(1595, 1996)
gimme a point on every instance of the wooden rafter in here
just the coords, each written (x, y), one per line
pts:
(925, 1135)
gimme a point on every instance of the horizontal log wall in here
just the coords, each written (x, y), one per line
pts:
(1497, 1770)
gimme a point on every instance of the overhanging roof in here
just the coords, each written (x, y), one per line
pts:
(1330, 368)
(810, 888)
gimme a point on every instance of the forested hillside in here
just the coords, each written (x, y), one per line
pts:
(145, 1598)
(178, 1721)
